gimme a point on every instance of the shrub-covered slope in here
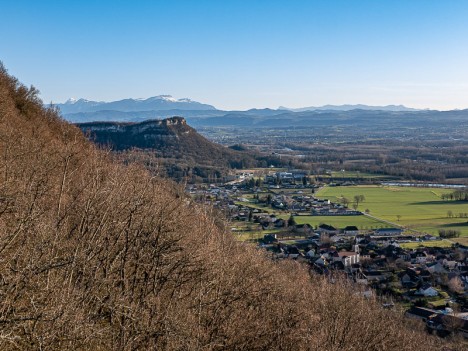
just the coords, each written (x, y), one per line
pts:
(95, 255)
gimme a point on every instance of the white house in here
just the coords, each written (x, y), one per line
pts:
(348, 257)
(427, 290)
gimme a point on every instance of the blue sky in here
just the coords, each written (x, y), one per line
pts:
(242, 54)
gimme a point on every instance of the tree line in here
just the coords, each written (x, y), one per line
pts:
(457, 195)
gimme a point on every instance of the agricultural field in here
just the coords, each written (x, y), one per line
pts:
(430, 243)
(421, 209)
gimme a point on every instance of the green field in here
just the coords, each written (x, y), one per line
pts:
(431, 243)
(420, 209)
(362, 222)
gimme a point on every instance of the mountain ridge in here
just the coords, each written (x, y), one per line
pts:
(281, 118)
(168, 102)
(204, 115)
(349, 107)
(160, 102)
(180, 150)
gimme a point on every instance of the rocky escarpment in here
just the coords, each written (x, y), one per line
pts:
(173, 145)
(151, 134)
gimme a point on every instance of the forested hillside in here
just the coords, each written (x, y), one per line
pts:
(96, 255)
(176, 148)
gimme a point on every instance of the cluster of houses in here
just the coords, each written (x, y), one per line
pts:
(228, 196)
(417, 266)
(308, 204)
(291, 177)
(221, 197)
(302, 203)
(432, 278)
(443, 322)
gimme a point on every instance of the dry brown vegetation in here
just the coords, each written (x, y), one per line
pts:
(96, 255)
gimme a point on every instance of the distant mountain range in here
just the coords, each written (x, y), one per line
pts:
(161, 102)
(350, 107)
(167, 102)
(204, 115)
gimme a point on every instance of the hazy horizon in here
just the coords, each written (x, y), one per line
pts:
(239, 55)
(280, 106)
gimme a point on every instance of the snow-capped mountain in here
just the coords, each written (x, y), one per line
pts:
(156, 103)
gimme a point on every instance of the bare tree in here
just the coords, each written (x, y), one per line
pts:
(456, 285)
(358, 199)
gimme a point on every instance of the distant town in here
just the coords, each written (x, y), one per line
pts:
(283, 212)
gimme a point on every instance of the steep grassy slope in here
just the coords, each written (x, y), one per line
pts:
(96, 255)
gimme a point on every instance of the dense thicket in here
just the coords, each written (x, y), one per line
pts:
(96, 255)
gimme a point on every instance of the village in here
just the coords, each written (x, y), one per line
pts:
(276, 211)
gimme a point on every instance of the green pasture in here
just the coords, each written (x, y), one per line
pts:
(420, 209)
(431, 243)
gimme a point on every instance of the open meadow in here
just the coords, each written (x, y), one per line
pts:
(421, 209)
